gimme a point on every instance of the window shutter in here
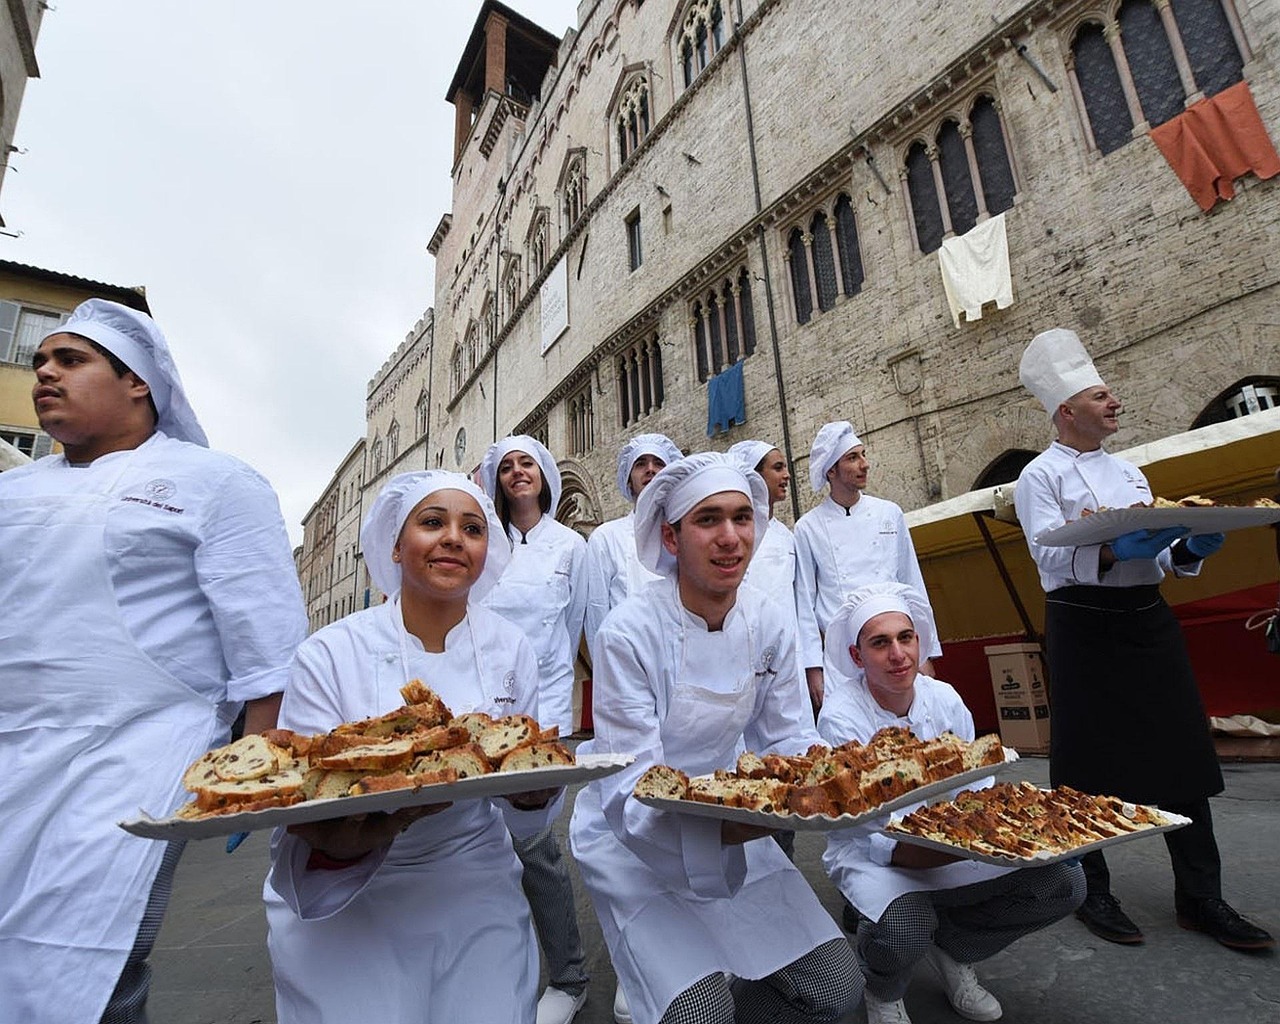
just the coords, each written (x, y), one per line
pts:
(8, 323)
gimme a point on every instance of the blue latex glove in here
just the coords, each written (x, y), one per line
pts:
(1202, 545)
(235, 839)
(1145, 543)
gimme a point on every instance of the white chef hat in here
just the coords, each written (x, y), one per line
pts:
(749, 453)
(678, 488)
(134, 339)
(833, 440)
(499, 450)
(864, 604)
(643, 444)
(1056, 366)
(391, 508)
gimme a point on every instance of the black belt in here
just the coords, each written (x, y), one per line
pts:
(1108, 599)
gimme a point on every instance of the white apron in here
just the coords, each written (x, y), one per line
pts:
(91, 731)
(534, 592)
(663, 937)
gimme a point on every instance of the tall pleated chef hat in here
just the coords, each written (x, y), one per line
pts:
(833, 440)
(135, 339)
(643, 444)
(678, 488)
(1056, 366)
(391, 509)
(499, 450)
(749, 453)
(864, 604)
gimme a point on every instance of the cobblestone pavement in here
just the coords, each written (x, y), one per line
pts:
(211, 964)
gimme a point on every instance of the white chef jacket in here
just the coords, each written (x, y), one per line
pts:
(772, 570)
(543, 591)
(857, 859)
(674, 903)
(415, 932)
(838, 551)
(1055, 487)
(160, 592)
(200, 562)
(613, 571)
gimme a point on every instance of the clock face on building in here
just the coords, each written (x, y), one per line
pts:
(460, 445)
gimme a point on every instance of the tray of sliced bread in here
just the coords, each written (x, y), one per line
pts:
(418, 754)
(1193, 513)
(825, 788)
(1017, 824)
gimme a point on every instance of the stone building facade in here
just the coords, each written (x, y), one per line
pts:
(700, 182)
(676, 186)
(19, 27)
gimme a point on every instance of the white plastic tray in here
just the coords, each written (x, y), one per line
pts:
(1039, 859)
(821, 822)
(1110, 523)
(589, 766)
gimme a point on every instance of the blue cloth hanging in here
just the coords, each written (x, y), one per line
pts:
(726, 400)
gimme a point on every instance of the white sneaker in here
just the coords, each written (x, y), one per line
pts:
(621, 1011)
(880, 1012)
(966, 995)
(558, 1007)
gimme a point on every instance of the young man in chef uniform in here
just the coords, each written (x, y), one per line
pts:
(848, 540)
(149, 590)
(689, 672)
(918, 904)
(1127, 716)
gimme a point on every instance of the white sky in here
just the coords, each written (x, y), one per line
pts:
(271, 171)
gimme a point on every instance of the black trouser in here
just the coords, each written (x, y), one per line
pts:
(1197, 868)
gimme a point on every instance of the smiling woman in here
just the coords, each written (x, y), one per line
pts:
(349, 896)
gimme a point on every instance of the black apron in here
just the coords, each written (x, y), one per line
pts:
(1127, 716)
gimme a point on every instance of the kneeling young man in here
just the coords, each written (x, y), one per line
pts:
(688, 672)
(916, 903)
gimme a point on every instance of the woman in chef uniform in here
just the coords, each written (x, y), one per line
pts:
(543, 591)
(687, 672)
(613, 570)
(407, 917)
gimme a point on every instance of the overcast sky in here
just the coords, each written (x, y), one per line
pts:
(271, 172)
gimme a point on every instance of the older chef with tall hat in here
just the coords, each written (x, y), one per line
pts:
(1127, 716)
(148, 591)
(613, 568)
(688, 672)
(846, 541)
(919, 905)
(543, 591)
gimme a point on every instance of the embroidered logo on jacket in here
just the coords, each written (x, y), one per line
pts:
(156, 494)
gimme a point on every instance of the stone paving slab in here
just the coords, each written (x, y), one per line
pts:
(211, 964)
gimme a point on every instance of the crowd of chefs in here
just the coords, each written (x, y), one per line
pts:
(150, 594)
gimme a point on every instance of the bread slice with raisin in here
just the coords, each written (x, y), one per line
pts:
(664, 782)
(388, 756)
(535, 755)
(507, 734)
(467, 760)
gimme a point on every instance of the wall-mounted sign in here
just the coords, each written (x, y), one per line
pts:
(554, 298)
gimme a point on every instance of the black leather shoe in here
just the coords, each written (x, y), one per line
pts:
(850, 918)
(1102, 915)
(1216, 918)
